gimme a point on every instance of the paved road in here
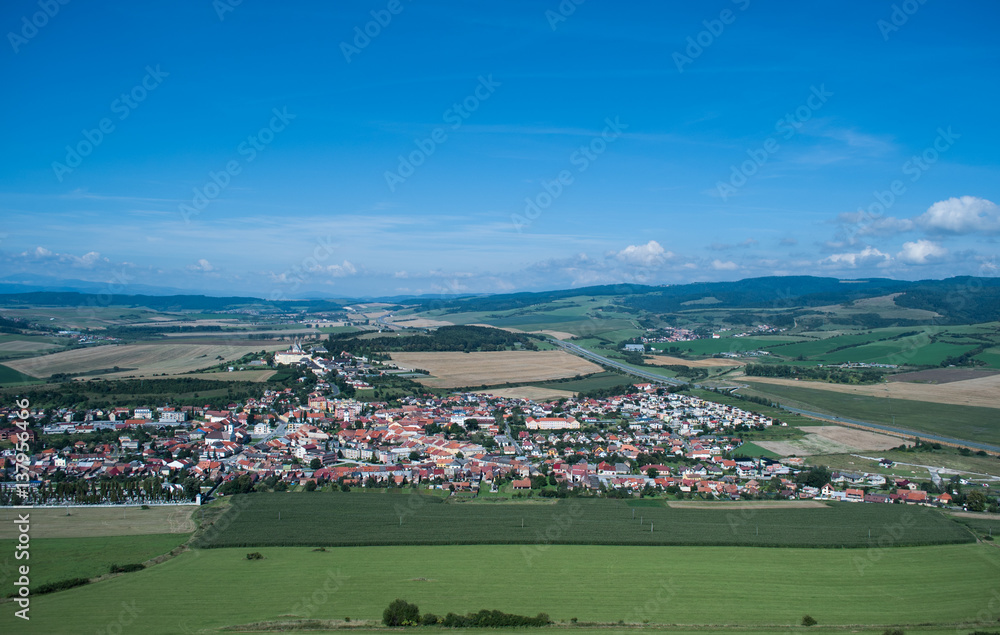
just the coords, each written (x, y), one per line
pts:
(910, 433)
(594, 357)
(599, 359)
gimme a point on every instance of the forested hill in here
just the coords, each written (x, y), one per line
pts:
(961, 299)
(446, 338)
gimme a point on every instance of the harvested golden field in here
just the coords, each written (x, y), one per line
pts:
(83, 522)
(860, 439)
(559, 335)
(257, 376)
(138, 359)
(25, 346)
(970, 392)
(529, 392)
(831, 440)
(416, 322)
(712, 362)
(452, 370)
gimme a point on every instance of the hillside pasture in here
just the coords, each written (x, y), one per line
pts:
(137, 360)
(453, 370)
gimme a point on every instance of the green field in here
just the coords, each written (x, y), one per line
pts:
(54, 559)
(590, 382)
(361, 518)
(863, 346)
(11, 377)
(984, 525)
(960, 422)
(204, 590)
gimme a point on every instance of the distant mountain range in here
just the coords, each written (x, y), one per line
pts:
(959, 299)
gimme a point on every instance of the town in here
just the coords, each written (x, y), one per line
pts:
(651, 441)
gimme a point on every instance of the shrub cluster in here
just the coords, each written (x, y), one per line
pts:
(402, 613)
(61, 585)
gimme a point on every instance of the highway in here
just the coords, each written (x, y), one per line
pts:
(875, 427)
(604, 361)
(923, 436)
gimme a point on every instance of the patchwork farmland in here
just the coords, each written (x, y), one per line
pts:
(451, 370)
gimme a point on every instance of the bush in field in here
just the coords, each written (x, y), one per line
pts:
(808, 620)
(401, 613)
(256, 555)
(62, 585)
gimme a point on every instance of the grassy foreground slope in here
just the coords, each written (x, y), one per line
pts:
(209, 589)
(56, 559)
(359, 518)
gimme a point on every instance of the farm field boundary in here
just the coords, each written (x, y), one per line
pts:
(361, 518)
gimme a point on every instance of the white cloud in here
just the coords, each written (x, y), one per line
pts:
(728, 265)
(649, 255)
(342, 270)
(203, 265)
(962, 215)
(867, 256)
(920, 252)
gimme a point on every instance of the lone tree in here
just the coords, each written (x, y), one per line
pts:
(401, 613)
(808, 620)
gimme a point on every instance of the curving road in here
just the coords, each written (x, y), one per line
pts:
(604, 361)
(877, 427)
(923, 436)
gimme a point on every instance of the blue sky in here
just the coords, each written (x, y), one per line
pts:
(281, 151)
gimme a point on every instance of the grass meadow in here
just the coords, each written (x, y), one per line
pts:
(55, 559)
(203, 591)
